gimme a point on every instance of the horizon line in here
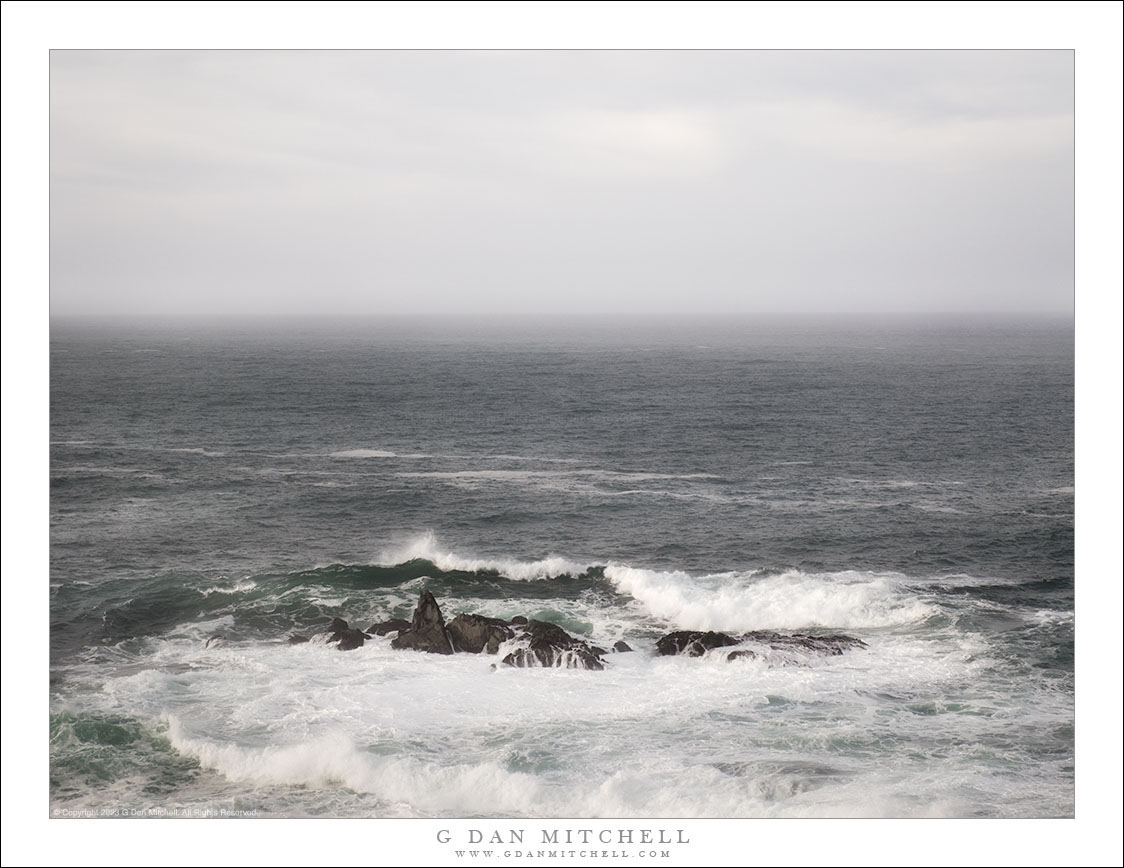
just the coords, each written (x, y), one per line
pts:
(326, 315)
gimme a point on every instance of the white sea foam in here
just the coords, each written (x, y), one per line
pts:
(902, 483)
(421, 734)
(89, 468)
(963, 580)
(726, 601)
(333, 759)
(237, 588)
(482, 788)
(903, 727)
(327, 602)
(642, 476)
(363, 453)
(543, 458)
(791, 600)
(1051, 617)
(493, 475)
(505, 475)
(661, 494)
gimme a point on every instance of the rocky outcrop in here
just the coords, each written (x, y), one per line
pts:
(832, 646)
(528, 643)
(349, 640)
(525, 643)
(394, 625)
(695, 643)
(345, 638)
(427, 629)
(538, 643)
(475, 633)
(552, 647)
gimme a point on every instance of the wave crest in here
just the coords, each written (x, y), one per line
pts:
(789, 601)
(333, 759)
(425, 549)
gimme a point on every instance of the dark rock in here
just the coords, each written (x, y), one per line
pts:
(349, 640)
(550, 647)
(427, 629)
(544, 631)
(215, 641)
(832, 646)
(519, 619)
(696, 643)
(297, 639)
(394, 625)
(476, 633)
(598, 650)
(346, 638)
(621, 646)
(551, 657)
(693, 643)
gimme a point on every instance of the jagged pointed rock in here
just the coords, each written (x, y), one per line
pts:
(427, 629)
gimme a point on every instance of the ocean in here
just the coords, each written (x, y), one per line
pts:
(217, 486)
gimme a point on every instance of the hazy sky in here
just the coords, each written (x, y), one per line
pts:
(434, 181)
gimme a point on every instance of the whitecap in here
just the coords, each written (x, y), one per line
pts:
(425, 548)
(791, 600)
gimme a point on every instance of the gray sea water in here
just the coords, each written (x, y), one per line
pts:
(906, 481)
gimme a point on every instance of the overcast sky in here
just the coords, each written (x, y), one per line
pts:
(432, 181)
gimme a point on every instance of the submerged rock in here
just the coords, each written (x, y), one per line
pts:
(394, 625)
(215, 641)
(620, 646)
(695, 643)
(552, 647)
(427, 629)
(476, 633)
(552, 657)
(297, 639)
(832, 646)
